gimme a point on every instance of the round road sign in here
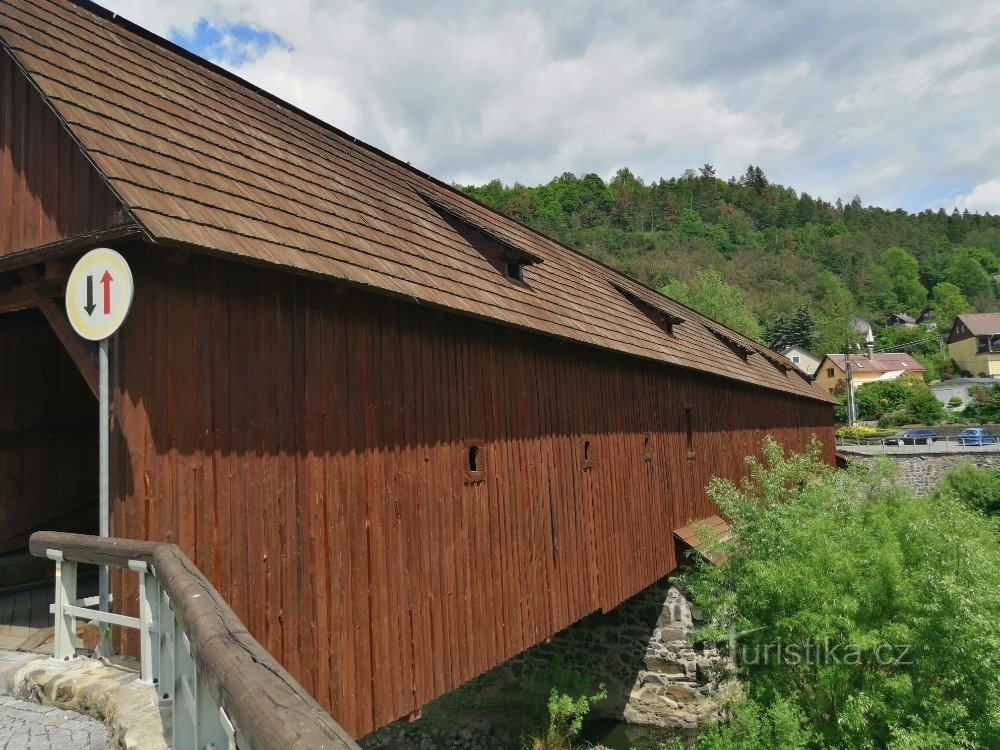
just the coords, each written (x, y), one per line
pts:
(99, 294)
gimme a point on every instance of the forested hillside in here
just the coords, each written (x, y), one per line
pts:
(779, 265)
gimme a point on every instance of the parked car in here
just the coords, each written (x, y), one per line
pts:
(916, 436)
(976, 436)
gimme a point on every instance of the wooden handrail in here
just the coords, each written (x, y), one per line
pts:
(269, 708)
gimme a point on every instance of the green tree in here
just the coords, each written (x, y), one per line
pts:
(710, 295)
(916, 340)
(795, 328)
(904, 270)
(876, 290)
(834, 313)
(966, 273)
(896, 598)
(947, 302)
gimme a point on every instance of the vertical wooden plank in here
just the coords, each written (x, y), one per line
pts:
(313, 614)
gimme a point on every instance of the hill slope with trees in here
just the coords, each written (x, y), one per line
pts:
(780, 266)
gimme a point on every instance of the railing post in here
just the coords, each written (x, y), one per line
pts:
(64, 636)
(212, 733)
(230, 730)
(166, 673)
(185, 714)
(148, 625)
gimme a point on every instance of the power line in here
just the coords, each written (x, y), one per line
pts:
(910, 344)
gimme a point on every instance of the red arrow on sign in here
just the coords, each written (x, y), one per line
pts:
(106, 280)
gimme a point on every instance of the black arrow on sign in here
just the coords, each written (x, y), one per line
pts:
(90, 306)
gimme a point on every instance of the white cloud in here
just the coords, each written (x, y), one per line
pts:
(895, 101)
(982, 198)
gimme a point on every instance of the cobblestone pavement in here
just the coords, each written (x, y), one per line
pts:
(28, 726)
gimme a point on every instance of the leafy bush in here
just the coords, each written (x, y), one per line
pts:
(924, 407)
(566, 715)
(858, 432)
(954, 402)
(874, 400)
(754, 727)
(984, 403)
(975, 487)
(904, 400)
(898, 598)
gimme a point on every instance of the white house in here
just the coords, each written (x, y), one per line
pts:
(802, 358)
(947, 389)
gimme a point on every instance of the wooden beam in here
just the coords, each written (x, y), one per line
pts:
(178, 255)
(60, 248)
(58, 268)
(74, 345)
(29, 295)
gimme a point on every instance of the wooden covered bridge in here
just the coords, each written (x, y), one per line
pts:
(405, 437)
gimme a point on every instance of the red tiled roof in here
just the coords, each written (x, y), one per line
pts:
(881, 362)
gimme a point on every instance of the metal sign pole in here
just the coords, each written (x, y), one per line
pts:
(104, 418)
(99, 295)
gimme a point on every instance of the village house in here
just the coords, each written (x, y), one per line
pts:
(974, 344)
(865, 368)
(960, 388)
(802, 358)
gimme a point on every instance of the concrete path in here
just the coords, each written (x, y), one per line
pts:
(29, 726)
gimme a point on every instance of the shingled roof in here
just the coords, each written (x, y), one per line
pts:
(205, 161)
(978, 324)
(881, 362)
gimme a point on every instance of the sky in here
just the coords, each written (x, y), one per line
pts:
(896, 102)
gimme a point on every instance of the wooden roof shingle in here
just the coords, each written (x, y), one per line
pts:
(207, 161)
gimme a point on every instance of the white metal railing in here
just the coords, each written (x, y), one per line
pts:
(165, 654)
(938, 444)
(224, 689)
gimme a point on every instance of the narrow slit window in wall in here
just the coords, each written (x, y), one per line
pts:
(689, 429)
(647, 450)
(473, 460)
(587, 448)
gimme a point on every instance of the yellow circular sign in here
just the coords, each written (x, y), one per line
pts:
(99, 294)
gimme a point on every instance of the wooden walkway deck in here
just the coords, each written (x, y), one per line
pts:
(24, 613)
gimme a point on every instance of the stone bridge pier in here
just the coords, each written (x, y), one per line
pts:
(647, 654)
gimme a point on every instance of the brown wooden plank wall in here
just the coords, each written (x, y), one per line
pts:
(307, 449)
(48, 436)
(48, 190)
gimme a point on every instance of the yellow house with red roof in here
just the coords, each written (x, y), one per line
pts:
(865, 368)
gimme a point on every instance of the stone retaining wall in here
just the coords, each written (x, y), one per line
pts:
(921, 472)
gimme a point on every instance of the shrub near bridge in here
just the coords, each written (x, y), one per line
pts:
(898, 599)
(976, 487)
(904, 400)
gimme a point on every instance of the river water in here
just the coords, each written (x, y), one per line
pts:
(617, 735)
